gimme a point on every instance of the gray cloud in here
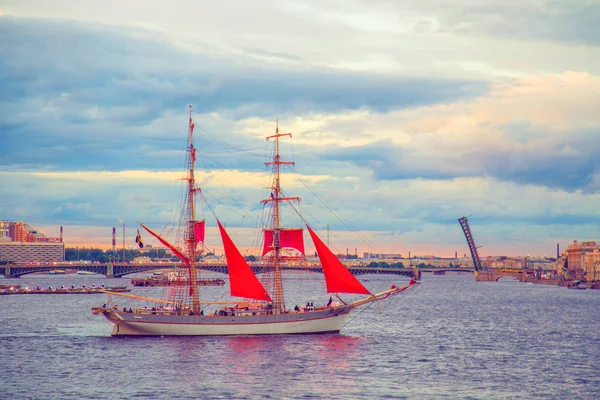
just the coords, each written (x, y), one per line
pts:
(574, 21)
(570, 21)
(82, 96)
(569, 162)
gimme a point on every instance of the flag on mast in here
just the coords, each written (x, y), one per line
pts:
(138, 239)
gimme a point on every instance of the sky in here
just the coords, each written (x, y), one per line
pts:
(405, 116)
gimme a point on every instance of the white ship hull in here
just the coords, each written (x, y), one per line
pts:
(136, 324)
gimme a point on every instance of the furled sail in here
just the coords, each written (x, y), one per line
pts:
(290, 238)
(173, 249)
(337, 277)
(242, 281)
(199, 232)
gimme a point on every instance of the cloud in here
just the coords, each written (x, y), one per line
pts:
(567, 21)
(414, 215)
(571, 21)
(418, 38)
(541, 130)
(82, 95)
(404, 117)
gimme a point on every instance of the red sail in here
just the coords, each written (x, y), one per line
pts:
(291, 238)
(199, 231)
(337, 277)
(174, 249)
(242, 281)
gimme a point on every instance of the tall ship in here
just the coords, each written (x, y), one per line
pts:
(259, 304)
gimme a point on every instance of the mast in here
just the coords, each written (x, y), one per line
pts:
(191, 214)
(278, 300)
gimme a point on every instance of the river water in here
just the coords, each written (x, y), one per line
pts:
(450, 338)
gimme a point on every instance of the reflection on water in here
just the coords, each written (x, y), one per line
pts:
(452, 338)
(338, 351)
(246, 352)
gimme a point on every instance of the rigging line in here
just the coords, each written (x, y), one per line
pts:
(214, 137)
(301, 215)
(177, 199)
(359, 313)
(405, 293)
(209, 163)
(240, 226)
(210, 166)
(322, 200)
(208, 205)
(223, 143)
(263, 215)
(330, 189)
(221, 196)
(229, 149)
(135, 222)
(308, 186)
(258, 240)
(335, 213)
(314, 275)
(219, 202)
(228, 189)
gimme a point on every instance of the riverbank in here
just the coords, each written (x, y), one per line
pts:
(568, 284)
(166, 281)
(16, 289)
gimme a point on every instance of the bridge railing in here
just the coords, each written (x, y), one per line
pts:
(121, 269)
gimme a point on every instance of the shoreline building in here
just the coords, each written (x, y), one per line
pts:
(582, 261)
(20, 243)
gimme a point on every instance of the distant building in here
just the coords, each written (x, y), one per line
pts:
(504, 263)
(583, 261)
(25, 252)
(382, 256)
(560, 266)
(20, 243)
(18, 231)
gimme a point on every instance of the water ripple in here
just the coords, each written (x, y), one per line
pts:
(452, 338)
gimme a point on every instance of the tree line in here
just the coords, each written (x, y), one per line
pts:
(103, 256)
(383, 264)
(127, 255)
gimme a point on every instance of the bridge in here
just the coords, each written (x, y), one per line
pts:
(118, 270)
(443, 270)
(493, 275)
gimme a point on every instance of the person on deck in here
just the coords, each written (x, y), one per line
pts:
(330, 301)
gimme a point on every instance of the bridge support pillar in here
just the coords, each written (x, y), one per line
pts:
(484, 276)
(110, 271)
(493, 275)
(7, 273)
(416, 273)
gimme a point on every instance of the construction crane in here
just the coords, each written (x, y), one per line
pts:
(465, 227)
